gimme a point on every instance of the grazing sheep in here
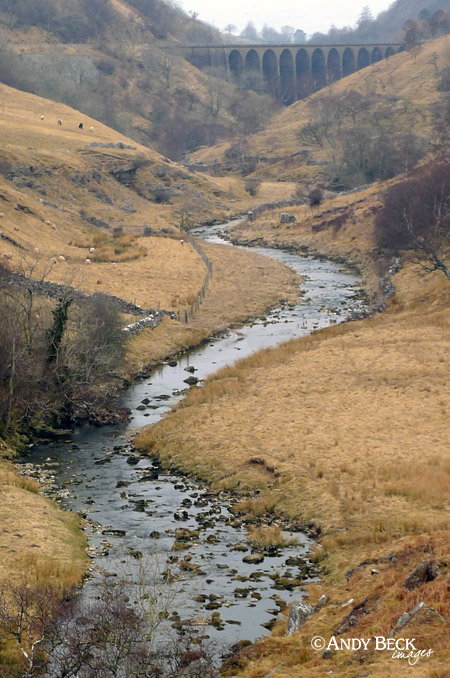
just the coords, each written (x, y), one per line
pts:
(48, 222)
(42, 117)
(181, 242)
(54, 226)
(88, 261)
(80, 126)
(36, 250)
(91, 129)
(61, 258)
(92, 250)
(54, 260)
(60, 122)
(1, 215)
(114, 265)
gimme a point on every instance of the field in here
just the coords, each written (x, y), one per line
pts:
(243, 286)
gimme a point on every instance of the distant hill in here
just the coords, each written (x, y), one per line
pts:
(391, 21)
(387, 26)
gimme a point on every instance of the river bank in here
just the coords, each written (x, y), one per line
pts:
(243, 287)
(350, 427)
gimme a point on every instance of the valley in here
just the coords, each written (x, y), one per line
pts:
(224, 355)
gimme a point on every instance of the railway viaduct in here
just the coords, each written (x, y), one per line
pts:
(288, 72)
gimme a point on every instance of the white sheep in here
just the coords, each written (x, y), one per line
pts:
(1, 215)
(181, 242)
(42, 117)
(92, 250)
(54, 226)
(88, 261)
(114, 265)
(91, 129)
(61, 258)
(54, 260)
(7, 255)
(36, 250)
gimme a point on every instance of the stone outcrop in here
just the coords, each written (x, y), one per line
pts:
(287, 218)
(425, 572)
(299, 614)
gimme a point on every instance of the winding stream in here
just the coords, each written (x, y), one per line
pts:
(133, 507)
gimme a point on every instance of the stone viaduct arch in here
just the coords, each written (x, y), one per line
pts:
(289, 72)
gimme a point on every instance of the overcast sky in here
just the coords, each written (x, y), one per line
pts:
(310, 16)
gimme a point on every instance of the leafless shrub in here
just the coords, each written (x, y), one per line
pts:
(416, 216)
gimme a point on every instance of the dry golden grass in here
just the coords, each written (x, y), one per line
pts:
(233, 188)
(243, 286)
(37, 540)
(150, 270)
(381, 406)
(268, 536)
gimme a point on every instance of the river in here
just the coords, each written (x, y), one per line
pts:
(133, 507)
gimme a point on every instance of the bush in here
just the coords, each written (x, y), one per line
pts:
(161, 193)
(416, 216)
(106, 66)
(252, 186)
(315, 197)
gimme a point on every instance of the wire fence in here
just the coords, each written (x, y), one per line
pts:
(184, 315)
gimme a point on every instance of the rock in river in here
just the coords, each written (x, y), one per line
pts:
(191, 381)
(116, 533)
(253, 558)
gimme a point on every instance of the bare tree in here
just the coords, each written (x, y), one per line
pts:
(26, 612)
(215, 88)
(166, 65)
(416, 217)
(89, 355)
(108, 635)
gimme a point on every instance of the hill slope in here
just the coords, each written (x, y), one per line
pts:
(65, 190)
(388, 100)
(109, 60)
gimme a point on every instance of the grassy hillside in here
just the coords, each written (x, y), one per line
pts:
(71, 197)
(110, 60)
(64, 196)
